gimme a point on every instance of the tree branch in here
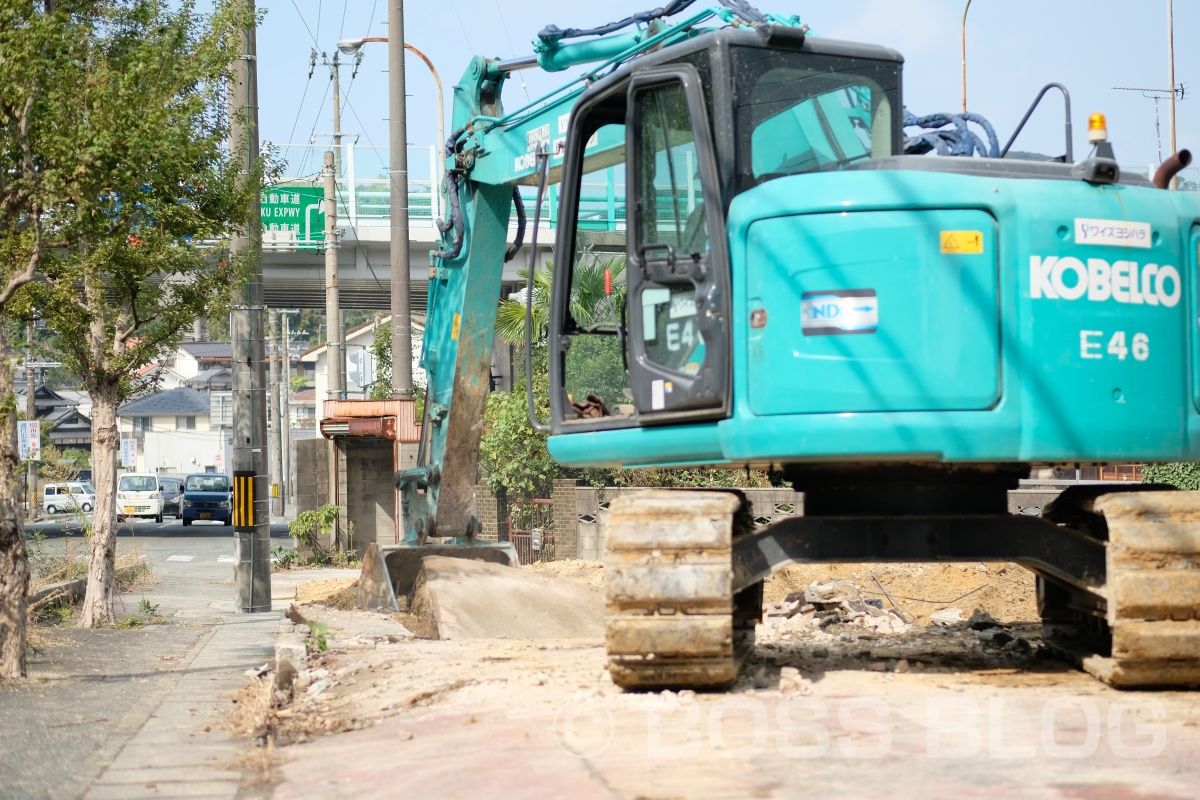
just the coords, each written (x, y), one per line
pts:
(35, 259)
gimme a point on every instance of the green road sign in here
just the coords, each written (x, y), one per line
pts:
(292, 215)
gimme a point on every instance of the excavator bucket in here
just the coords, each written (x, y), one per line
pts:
(391, 571)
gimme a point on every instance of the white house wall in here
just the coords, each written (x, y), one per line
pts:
(184, 452)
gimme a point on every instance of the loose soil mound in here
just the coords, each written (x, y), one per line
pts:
(338, 593)
(1006, 591)
(589, 573)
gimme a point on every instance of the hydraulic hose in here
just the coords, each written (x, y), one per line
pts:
(515, 247)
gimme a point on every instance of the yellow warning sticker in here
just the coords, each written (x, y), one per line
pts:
(962, 241)
(454, 327)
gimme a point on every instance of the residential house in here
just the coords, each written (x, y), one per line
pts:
(213, 379)
(60, 412)
(193, 358)
(360, 367)
(175, 433)
(302, 409)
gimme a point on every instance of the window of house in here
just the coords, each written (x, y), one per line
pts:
(185, 423)
(141, 424)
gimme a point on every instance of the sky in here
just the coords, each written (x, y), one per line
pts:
(1014, 47)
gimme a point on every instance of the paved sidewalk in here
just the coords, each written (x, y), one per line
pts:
(181, 751)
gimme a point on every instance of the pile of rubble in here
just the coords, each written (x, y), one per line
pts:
(831, 625)
(826, 603)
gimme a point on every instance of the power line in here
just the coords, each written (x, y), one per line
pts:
(303, 20)
(342, 27)
(300, 109)
(316, 121)
(462, 26)
(358, 243)
(513, 50)
(320, 4)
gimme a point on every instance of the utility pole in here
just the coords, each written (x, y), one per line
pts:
(1171, 60)
(30, 414)
(398, 192)
(285, 387)
(966, 8)
(276, 428)
(252, 531)
(335, 77)
(334, 357)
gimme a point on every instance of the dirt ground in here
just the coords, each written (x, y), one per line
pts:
(858, 701)
(1005, 591)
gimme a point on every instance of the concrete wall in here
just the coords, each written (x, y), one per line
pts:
(310, 472)
(366, 491)
(591, 513)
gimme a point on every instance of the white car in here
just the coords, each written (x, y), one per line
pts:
(139, 495)
(68, 497)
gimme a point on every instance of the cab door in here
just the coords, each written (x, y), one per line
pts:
(678, 275)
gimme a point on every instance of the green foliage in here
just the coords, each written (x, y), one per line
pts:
(323, 518)
(141, 217)
(59, 614)
(298, 383)
(317, 637)
(590, 306)
(514, 456)
(285, 557)
(1184, 476)
(381, 349)
(148, 609)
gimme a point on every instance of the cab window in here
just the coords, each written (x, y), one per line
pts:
(799, 112)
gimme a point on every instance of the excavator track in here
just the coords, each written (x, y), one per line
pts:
(672, 617)
(1152, 588)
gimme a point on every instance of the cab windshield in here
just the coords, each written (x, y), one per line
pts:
(137, 483)
(799, 112)
(207, 483)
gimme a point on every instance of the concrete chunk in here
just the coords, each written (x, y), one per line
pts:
(464, 599)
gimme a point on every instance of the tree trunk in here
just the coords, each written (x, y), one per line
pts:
(14, 563)
(102, 563)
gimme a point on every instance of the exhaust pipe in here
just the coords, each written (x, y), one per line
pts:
(1171, 167)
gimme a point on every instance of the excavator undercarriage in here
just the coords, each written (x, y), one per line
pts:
(1118, 575)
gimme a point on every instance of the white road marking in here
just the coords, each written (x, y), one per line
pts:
(225, 559)
(180, 558)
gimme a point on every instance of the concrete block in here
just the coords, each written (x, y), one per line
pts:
(480, 600)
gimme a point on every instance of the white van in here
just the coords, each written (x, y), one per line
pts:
(139, 495)
(75, 495)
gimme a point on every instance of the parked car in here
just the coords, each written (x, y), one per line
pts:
(68, 497)
(172, 492)
(139, 495)
(206, 495)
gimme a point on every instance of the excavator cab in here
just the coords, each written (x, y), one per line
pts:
(641, 310)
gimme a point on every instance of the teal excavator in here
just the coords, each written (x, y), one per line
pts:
(756, 268)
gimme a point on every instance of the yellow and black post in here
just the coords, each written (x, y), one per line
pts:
(243, 501)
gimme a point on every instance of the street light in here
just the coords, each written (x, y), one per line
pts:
(352, 46)
(402, 385)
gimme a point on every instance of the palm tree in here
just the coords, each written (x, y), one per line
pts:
(591, 305)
